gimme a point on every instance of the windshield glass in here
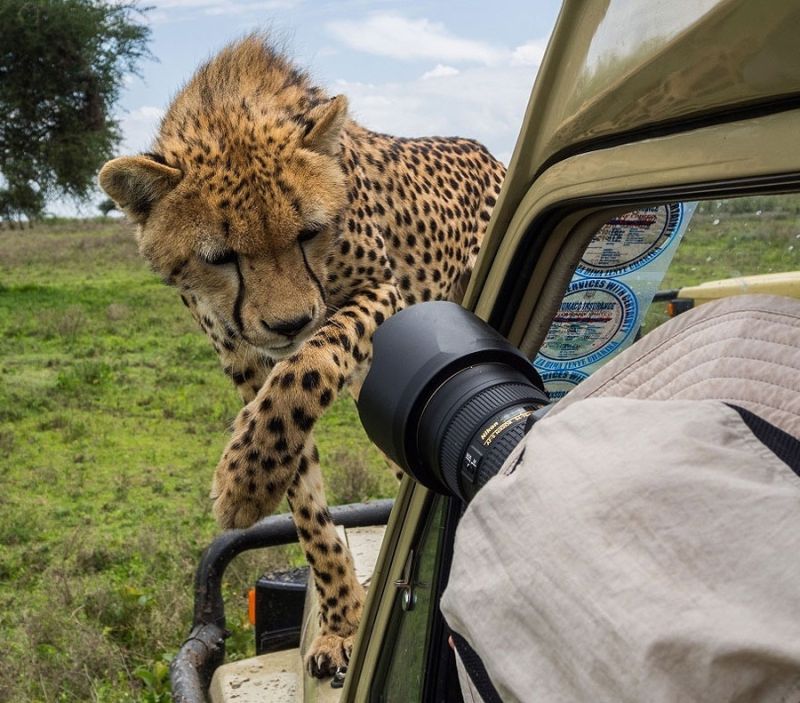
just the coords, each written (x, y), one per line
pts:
(662, 253)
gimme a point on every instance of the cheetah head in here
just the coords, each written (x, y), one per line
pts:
(238, 209)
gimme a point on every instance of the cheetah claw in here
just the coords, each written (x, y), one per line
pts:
(327, 654)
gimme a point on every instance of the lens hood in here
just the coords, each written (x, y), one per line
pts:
(414, 352)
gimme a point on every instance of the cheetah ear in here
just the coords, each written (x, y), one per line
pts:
(136, 183)
(326, 122)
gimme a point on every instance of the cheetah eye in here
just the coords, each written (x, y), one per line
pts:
(223, 257)
(306, 235)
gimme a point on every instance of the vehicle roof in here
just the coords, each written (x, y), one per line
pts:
(615, 67)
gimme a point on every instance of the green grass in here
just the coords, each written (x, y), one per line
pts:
(731, 238)
(738, 238)
(113, 413)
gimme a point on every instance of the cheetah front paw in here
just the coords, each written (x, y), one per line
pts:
(254, 471)
(328, 653)
(232, 507)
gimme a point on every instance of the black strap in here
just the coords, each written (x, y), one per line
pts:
(780, 443)
(476, 670)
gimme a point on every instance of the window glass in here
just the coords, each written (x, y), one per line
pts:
(661, 253)
(402, 666)
(730, 239)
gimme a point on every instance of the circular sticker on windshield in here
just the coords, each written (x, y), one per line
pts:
(631, 241)
(559, 383)
(596, 316)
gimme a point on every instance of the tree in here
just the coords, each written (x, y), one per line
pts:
(62, 65)
(107, 206)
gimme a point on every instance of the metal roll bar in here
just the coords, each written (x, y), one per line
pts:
(204, 649)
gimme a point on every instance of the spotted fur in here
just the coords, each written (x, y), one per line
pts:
(291, 234)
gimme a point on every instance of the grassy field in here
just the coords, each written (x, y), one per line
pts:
(730, 238)
(113, 413)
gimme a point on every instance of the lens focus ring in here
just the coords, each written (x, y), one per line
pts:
(499, 452)
(481, 407)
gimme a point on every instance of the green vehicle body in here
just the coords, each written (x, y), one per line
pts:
(635, 104)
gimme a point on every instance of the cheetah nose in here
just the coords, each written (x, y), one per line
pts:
(289, 328)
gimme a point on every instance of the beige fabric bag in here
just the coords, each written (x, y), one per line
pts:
(647, 550)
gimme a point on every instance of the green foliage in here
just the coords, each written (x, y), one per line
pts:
(155, 680)
(733, 238)
(738, 237)
(62, 65)
(107, 206)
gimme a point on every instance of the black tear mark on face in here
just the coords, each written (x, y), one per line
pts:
(311, 271)
(237, 305)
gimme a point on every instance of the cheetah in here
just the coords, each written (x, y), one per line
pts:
(291, 234)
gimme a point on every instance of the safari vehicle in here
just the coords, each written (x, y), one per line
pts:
(639, 111)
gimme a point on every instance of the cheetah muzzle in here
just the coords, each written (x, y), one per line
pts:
(291, 234)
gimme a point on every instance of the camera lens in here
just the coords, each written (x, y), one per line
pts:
(473, 422)
(447, 397)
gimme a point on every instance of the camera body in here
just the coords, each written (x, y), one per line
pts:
(448, 398)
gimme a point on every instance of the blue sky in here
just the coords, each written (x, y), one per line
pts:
(409, 68)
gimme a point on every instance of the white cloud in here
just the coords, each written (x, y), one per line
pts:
(475, 89)
(148, 112)
(261, 4)
(440, 71)
(157, 17)
(483, 103)
(390, 34)
(529, 54)
(139, 127)
(235, 7)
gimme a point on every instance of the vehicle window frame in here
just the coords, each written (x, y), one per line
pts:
(561, 209)
(573, 223)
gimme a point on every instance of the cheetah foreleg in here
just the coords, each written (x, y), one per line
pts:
(340, 595)
(271, 431)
